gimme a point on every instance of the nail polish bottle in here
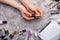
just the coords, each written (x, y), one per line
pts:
(12, 35)
(6, 32)
(2, 36)
(23, 31)
(3, 22)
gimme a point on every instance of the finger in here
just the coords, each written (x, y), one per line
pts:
(29, 10)
(39, 10)
(26, 17)
(28, 14)
(37, 13)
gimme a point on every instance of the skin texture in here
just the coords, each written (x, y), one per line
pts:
(25, 9)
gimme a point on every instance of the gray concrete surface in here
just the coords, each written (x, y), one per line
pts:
(16, 21)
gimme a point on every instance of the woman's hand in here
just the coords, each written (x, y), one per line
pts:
(32, 8)
(27, 10)
(35, 10)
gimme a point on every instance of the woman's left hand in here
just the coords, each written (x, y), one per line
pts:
(35, 10)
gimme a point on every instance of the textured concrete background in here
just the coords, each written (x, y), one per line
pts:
(16, 21)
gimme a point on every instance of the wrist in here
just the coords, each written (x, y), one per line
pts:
(19, 7)
(25, 2)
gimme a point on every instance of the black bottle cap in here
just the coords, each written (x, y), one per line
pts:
(57, 0)
(58, 6)
(5, 39)
(4, 22)
(24, 30)
(6, 32)
(2, 37)
(55, 13)
(11, 36)
(33, 15)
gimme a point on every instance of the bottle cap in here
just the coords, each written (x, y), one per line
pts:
(57, 0)
(2, 36)
(11, 36)
(24, 30)
(6, 32)
(4, 22)
(55, 13)
(33, 15)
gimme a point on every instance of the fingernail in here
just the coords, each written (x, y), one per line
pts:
(37, 15)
